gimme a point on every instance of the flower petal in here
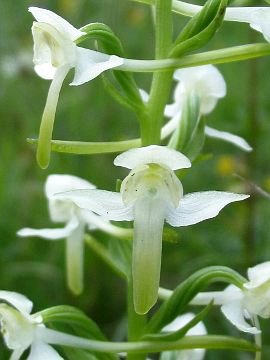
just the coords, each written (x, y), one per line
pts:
(199, 206)
(42, 351)
(170, 126)
(234, 312)
(226, 136)
(260, 21)
(172, 109)
(206, 81)
(152, 154)
(51, 234)
(63, 26)
(149, 216)
(144, 95)
(90, 64)
(193, 354)
(105, 203)
(181, 321)
(57, 183)
(62, 210)
(19, 301)
(258, 275)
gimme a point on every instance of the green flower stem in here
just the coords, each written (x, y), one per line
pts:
(161, 83)
(221, 56)
(144, 347)
(86, 148)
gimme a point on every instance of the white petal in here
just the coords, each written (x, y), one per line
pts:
(226, 136)
(19, 301)
(61, 210)
(57, 183)
(105, 203)
(89, 64)
(206, 81)
(234, 312)
(172, 109)
(42, 351)
(198, 329)
(152, 154)
(260, 21)
(206, 78)
(49, 17)
(45, 71)
(182, 320)
(51, 234)
(199, 206)
(241, 14)
(144, 95)
(258, 275)
(170, 126)
(219, 297)
(149, 217)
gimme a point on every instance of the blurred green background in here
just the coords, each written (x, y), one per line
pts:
(238, 238)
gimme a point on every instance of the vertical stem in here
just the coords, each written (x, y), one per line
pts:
(161, 82)
(136, 323)
(150, 132)
(253, 111)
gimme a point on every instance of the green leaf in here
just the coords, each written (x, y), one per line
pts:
(196, 142)
(201, 28)
(186, 291)
(70, 315)
(189, 118)
(111, 44)
(176, 335)
(189, 135)
(120, 252)
(64, 317)
(77, 354)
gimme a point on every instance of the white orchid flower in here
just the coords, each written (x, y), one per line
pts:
(198, 329)
(55, 53)
(150, 195)
(22, 330)
(76, 220)
(209, 85)
(239, 305)
(257, 17)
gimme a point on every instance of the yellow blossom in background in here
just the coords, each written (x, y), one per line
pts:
(226, 165)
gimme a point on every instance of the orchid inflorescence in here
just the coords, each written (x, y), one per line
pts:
(150, 196)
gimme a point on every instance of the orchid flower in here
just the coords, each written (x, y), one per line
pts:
(150, 195)
(209, 85)
(76, 220)
(198, 329)
(22, 330)
(257, 17)
(55, 53)
(239, 305)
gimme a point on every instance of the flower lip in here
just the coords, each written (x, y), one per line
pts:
(153, 154)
